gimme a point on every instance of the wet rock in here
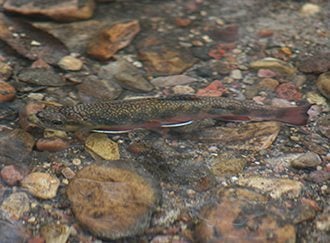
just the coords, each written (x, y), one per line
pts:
(51, 133)
(288, 91)
(55, 233)
(323, 125)
(275, 65)
(102, 146)
(173, 80)
(227, 164)
(242, 214)
(319, 176)
(275, 187)
(68, 173)
(268, 84)
(266, 73)
(5, 71)
(227, 33)
(16, 205)
(318, 63)
(183, 90)
(182, 22)
(323, 221)
(307, 160)
(60, 10)
(110, 40)
(126, 75)
(236, 74)
(7, 92)
(310, 9)
(11, 232)
(52, 144)
(93, 89)
(41, 185)
(221, 50)
(161, 59)
(70, 63)
(264, 33)
(216, 88)
(11, 175)
(323, 84)
(113, 200)
(41, 76)
(317, 99)
(253, 136)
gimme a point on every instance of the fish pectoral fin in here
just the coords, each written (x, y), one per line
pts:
(177, 124)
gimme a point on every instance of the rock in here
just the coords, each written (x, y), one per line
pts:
(173, 80)
(182, 22)
(5, 71)
(16, 205)
(288, 91)
(307, 160)
(242, 214)
(216, 88)
(7, 92)
(126, 75)
(319, 176)
(161, 59)
(102, 146)
(41, 185)
(253, 136)
(264, 33)
(183, 90)
(60, 10)
(310, 9)
(317, 99)
(41, 76)
(93, 89)
(267, 84)
(110, 40)
(274, 65)
(114, 199)
(70, 63)
(51, 133)
(275, 187)
(227, 164)
(68, 173)
(323, 84)
(323, 220)
(236, 74)
(11, 232)
(323, 125)
(11, 175)
(266, 73)
(227, 33)
(55, 233)
(221, 50)
(52, 144)
(318, 63)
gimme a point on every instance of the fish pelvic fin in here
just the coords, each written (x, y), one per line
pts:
(293, 115)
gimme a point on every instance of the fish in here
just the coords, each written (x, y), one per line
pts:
(118, 116)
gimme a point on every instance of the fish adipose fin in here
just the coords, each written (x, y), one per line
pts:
(293, 115)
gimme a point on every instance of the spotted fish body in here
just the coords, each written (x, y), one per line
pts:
(152, 113)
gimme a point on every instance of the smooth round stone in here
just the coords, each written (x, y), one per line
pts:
(309, 9)
(70, 63)
(102, 146)
(323, 84)
(7, 92)
(307, 160)
(16, 205)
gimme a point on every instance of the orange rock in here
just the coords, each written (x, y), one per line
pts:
(182, 22)
(7, 92)
(52, 144)
(110, 40)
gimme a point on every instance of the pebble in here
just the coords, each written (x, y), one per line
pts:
(5, 71)
(274, 65)
(318, 63)
(172, 80)
(323, 84)
(52, 144)
(216, 88)
(268, 84)
(266, 73)
(7, 92)
(102, 146)
(288, 91)
(227, 164)
(55, 233)
(68, 173)
(70, 63)
(310, 9)
(11, 175)
(114, 199)
(11, 232)
(41, 185)
(112, 39)
(306, 160)
(52, 133)
(323, 220)
(183, 90)
(323, 125)
(275, 187)
(41, 76)
(236, 74)
(317, 99)
(16, 205)
(182, 22)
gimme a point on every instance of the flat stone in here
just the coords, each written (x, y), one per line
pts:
(70, 63)
(102, 146)
(114, 199)
(183, 90)
(172, 80)
(112, 39)
(55, 233)
(275, 187)
(288, 91)
(306, 160)
(52, 144)
(323, 84)
(126, 75)
(323, 125)
(317, 63)
(227, 164)
(275, 65)
(310, 9)
(268, 84)
(253, 136)
(11, 175)
(216, 88)
(236, 74)
(11, 232)
(41, 76)
(7, 92)
(16, 205)
(41, 185)
(60, 10)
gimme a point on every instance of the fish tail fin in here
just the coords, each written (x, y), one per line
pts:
(293, 115)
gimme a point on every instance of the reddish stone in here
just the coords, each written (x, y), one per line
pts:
(182, 22)
(7, 92)
(216, 88)
(288, 91)
(221, 50)
(263, 33)
(227, 34)
(11, 175)
(37, 239)
(52, 144)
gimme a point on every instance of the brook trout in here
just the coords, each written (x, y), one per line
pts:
(153, 113)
